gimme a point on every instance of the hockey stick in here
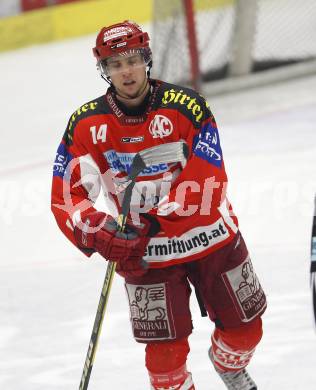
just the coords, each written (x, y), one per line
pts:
(313, 261)
(164, 153)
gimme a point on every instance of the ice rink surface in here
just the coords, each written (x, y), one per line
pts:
(49, 291)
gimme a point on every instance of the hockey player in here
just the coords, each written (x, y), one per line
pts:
(182, 230)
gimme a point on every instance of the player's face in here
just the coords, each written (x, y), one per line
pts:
(128, 73)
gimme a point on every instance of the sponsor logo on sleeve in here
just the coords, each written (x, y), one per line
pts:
(160, 126)
(62, 159)
(208, 146)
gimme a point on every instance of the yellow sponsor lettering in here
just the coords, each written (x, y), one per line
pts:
(93, 105)
(173, 96)
(197, 112)
(84, 108)
(190, 104)
(168, 96)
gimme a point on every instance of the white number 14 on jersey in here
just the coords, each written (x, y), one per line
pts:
(100, 135)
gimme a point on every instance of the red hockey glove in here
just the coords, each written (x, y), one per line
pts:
(99, 232)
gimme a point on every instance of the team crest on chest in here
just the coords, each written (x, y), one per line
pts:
(160, 126)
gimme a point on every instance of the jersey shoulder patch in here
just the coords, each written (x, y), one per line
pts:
(94, 107)
(186, 100)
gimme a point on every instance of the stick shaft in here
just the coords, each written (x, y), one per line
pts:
(313, 241)
(97, 326)
(313, 262)
(110, 271)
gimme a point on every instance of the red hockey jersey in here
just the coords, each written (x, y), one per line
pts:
(96, 152)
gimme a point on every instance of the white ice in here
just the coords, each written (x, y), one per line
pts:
(49, 291)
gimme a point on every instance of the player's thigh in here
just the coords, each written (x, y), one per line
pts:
(159, 304)
(230, 287)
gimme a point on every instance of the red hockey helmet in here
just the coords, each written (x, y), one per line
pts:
(119, 38)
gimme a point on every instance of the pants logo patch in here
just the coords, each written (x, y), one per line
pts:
(243, 285)
(149, 312)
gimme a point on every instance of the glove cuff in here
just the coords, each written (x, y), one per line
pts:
(85, 230)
